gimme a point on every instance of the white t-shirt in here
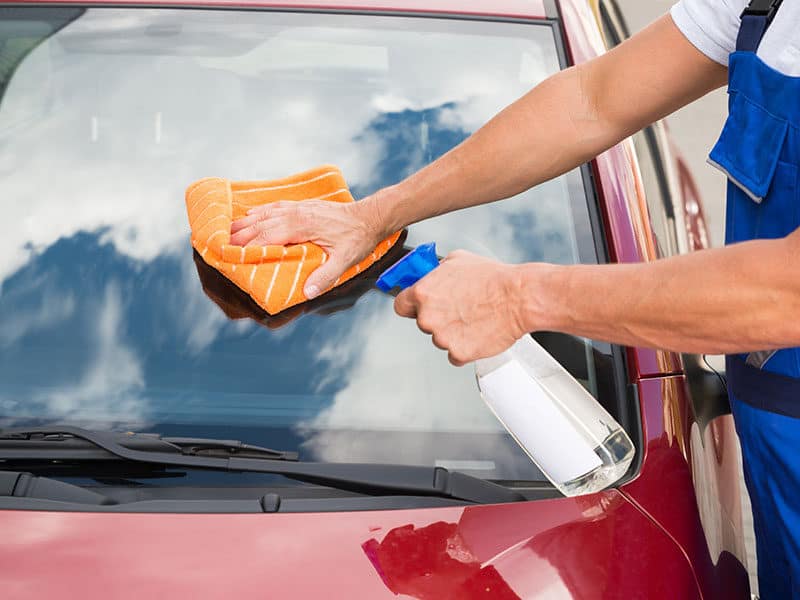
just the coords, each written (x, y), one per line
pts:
(712, 26)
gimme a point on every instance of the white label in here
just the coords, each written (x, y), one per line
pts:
(561, 451)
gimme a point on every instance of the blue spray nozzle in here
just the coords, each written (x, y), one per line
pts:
(409, 269)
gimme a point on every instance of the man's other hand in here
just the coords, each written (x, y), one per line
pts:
(469, 304)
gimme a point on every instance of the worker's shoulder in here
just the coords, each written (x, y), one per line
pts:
(707, 10)
(713, 25)
(710, 25)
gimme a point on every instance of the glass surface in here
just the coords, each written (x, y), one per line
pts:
(108, 114)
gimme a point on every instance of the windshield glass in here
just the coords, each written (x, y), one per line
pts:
(108, 320)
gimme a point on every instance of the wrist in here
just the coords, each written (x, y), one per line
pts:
(539, 301)
(381, 210)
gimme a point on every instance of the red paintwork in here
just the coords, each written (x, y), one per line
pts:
(672, 532)
(694, 215)
(583, 548)
(681, 457)
(704, 466)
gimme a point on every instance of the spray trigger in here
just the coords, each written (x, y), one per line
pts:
(409, 269)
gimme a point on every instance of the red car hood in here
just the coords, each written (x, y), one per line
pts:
(559, 548)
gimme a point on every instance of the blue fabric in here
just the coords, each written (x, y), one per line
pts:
(751, 31)
(763, 389)
(772, 475)
(759, 149)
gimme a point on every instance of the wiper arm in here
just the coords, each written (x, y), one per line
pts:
(361, 478)
(75, 442)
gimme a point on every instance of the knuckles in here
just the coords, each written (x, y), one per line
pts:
(456, 255)
(455, 359)
(460, 356)
(425, 323)
(421, 293)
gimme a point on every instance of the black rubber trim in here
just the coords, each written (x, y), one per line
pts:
(297, 505)
(628, 411)
(8, 482)
(360, 478)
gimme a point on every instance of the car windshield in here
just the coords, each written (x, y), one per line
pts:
(109, 320)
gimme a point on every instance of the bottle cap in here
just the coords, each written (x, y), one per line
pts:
(409, 269)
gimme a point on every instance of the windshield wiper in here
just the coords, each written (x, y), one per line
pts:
(77, 443)
(27, 444)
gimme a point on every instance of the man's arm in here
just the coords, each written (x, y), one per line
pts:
(740, 298)
(566, 120)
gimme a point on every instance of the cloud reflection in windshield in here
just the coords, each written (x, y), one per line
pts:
(105, 123)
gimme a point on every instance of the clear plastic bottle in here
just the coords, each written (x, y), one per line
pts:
(565, 431)
(573, 440)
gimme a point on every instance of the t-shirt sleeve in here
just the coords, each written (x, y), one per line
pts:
(710, 25)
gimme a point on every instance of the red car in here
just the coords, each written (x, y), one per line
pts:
(161, 437)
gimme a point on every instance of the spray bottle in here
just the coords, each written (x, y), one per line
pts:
(564, 430)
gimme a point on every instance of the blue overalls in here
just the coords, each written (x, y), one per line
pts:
(759, 150)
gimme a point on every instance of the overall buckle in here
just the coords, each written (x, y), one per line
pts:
(762, 8)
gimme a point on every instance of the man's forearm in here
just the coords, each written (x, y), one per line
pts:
(536, 138)
(565, 121)
(736, 299)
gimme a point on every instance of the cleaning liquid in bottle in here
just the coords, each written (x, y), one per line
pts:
(564, 430)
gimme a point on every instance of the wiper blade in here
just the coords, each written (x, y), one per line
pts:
(75, 442)
(360, 478)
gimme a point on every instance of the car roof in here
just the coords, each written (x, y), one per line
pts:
(506, 8)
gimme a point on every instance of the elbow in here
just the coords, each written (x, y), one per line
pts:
(592, 113)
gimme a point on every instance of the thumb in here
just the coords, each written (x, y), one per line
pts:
(323, 277)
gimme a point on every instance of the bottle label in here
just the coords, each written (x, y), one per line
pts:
(562, 451)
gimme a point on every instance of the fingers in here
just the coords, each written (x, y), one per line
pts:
(257, 210)
(269, 224)
(455, 361)
(244, 223)
(323, 277)
(439, 342)
(278, 230)
(442, 340)
(254, 215)
(414, 303)
(330, 225)
(244, 236)
(405, 304)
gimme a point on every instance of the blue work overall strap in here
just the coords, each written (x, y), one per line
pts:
(755, 20)
(759, 150)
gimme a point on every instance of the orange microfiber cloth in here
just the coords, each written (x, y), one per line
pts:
(272, 275)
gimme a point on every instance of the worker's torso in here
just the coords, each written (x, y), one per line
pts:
(759, 150)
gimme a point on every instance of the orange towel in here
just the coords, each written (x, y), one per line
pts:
(237, 304)
(273, 276)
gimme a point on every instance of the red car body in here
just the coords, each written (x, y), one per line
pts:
(672, 531)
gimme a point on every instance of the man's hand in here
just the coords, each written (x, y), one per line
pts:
(346, 232)
(469, 304)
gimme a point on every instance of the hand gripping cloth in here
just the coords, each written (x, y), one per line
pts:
(272, 275)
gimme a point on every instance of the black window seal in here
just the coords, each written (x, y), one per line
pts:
(628, 409)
